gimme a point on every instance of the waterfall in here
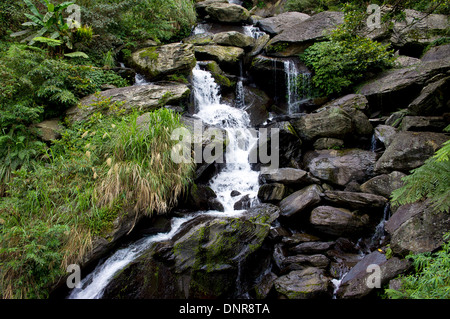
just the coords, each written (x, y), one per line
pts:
(93, 285)
(236, 175)
(253, 31)
(298, 86)
(240, 95)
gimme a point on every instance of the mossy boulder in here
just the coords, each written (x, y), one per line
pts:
(158, 62)
(201, 261)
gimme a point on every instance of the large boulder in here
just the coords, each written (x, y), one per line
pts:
(417, 228)
(433, 98)
(437, 53)
(282, 22)
(309, 283)
(144, 98)
(424, 123)
(338, 222)
(272, 192)
(363, 278)
(300, 200)
(201, 261)
(331, 122)
(409, 150)
(48, 130)
(340, 166)
(286, 175)
(227, 13)
(301, 35)
(158, 62)
(384, 184)
(226, 56)
(416, 30)
(234, 39)
(355, 200)
(396, 88)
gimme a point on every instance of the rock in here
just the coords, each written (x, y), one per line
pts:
(200, 6)
(273, 192)
(199, 39)
(128, 74)
(424, 123)
(144, 97)
(227, 13)
(299, 262)
(359, 281)
(219, 76)
(310, 283)
(298, 238)
(313, 247)
(349, 102)
(263, 287)
(159, 62)
(409, 150)
(416, 228)
(269, 74)
(355, 200)
(48, 130)
(385, 134)
(384, 184)
(331, 122)
(243, 203)
(259, 45)
(325, 143)
(416, 30)
(270, 8)
(202, 197)
(340, 167)
(287, 176)
(337, 221)
(235, 193)
(257, 104)
(280, 23)
(200, 261)
(300, 200)
(228, 57)
(234, 39)
(397, 88)
(301, 35)
(403, 61)
(437, 53)
(433, 99)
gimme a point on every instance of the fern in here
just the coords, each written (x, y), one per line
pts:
(429, 181)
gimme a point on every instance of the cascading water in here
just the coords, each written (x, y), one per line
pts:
(253, 31)
(298, 86)
(236, 175)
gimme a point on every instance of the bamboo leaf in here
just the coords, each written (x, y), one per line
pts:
(33, 9)
(77, 55)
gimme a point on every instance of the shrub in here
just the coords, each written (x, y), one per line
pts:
(346, 58)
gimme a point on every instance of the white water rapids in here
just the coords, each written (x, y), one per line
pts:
(236, 175)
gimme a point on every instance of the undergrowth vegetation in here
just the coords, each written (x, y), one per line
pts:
(107, 168)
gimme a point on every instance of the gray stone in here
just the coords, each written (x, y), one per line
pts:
(301, 35)
(159, 62)
(235, 39)
(300, 200)
(144, 98)
(310, 283)
(355, 200)
(437, 53)
(409, 150)
(424, 123)
(271, 192)
(227, 13)
(433, 98)
(384, 184)
(282, 22)
(49, 130)
(337, 221)
(325, 143)
(340, 167)
(312, 247)
(385, 134)
(417, 228)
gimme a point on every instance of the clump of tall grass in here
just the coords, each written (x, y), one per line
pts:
(141, 168)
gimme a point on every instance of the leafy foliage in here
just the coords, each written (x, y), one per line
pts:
(431, 279)
(346, 58)
(429, 181)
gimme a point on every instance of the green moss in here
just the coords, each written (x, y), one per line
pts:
(279, 47)
(149, 53)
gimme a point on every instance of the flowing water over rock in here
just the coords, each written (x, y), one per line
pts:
(236, 175)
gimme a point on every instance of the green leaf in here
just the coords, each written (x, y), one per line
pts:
(48, 16)
(77, 55)
(49, 41)
(35, 19)
(20, 33)
(33, 9)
